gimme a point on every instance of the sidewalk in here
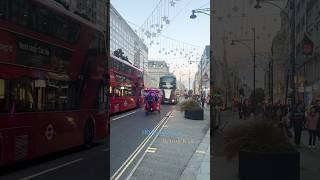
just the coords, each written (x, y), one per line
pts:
(173, 155)
(223, 169)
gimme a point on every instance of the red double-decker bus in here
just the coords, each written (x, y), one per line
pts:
(126, 86)
(52, 92)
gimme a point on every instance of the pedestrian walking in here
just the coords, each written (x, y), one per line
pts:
(202, 101)
(317, 109)
(311, 125)
(298, 119)
(241, 106)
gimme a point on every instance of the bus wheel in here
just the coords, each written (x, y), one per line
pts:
(88, 134)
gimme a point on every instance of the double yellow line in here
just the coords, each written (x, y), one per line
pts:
(132, 157)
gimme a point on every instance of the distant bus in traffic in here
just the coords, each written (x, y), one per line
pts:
(126, 86)
(53, 91)
(168, 86)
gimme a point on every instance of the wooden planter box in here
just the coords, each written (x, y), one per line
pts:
(194, 114)
(263, 166)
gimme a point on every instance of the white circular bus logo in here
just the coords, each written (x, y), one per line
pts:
(49, 132)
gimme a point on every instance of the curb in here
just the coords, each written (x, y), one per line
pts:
(196, 167)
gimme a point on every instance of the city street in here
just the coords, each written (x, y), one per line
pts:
(128, 132)
(77, 163)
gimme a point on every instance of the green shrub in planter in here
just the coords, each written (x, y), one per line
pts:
(264, 153)
(192, 110)
(190, 105)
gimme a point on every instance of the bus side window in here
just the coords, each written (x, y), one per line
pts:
(4, 96)
(22, 95)
(3, 9)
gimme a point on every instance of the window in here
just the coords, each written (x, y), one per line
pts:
(43, 95)
(4, 96)
(103, 95)
(3, 9)
(42, 20)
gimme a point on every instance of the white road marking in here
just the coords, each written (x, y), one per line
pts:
(150, 151)
(201, 152)
(52, 169)
(130, 159)
(141, 158)
(123, 116)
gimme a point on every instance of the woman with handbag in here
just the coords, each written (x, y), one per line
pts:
(311, 125)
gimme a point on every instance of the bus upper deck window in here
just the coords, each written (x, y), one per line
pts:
(2, 89)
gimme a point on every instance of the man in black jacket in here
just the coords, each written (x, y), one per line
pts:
(298, 119)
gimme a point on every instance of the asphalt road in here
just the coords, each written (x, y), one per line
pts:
(77, 163)
(127, 132)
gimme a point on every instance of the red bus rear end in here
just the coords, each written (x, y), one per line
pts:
(126, 86)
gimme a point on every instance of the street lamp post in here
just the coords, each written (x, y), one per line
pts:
(293, 50)
(203, 11)
(252, 53)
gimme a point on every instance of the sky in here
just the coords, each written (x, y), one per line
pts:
(182, 34)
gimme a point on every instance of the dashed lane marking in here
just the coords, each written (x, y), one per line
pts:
(52, 169)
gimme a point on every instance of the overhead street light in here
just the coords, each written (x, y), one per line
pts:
(292, 20)
(202, 11)
(252, 53)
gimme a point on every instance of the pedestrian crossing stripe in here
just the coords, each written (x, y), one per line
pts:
(150, 151)
(201, 152)
(165, 126)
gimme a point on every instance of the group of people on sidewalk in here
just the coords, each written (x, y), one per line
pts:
(300, 118)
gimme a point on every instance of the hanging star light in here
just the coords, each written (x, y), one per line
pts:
(159, 51)
(154, 34)
(158, 31)
(167, 21)
(172, 3)
(164, 18)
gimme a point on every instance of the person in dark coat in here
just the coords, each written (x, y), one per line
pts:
(298, 119)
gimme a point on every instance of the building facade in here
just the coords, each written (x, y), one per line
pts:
(277, 71)
(155, 69)
(307, 24)
(122, 36)
(91, 10)
(203, 72)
